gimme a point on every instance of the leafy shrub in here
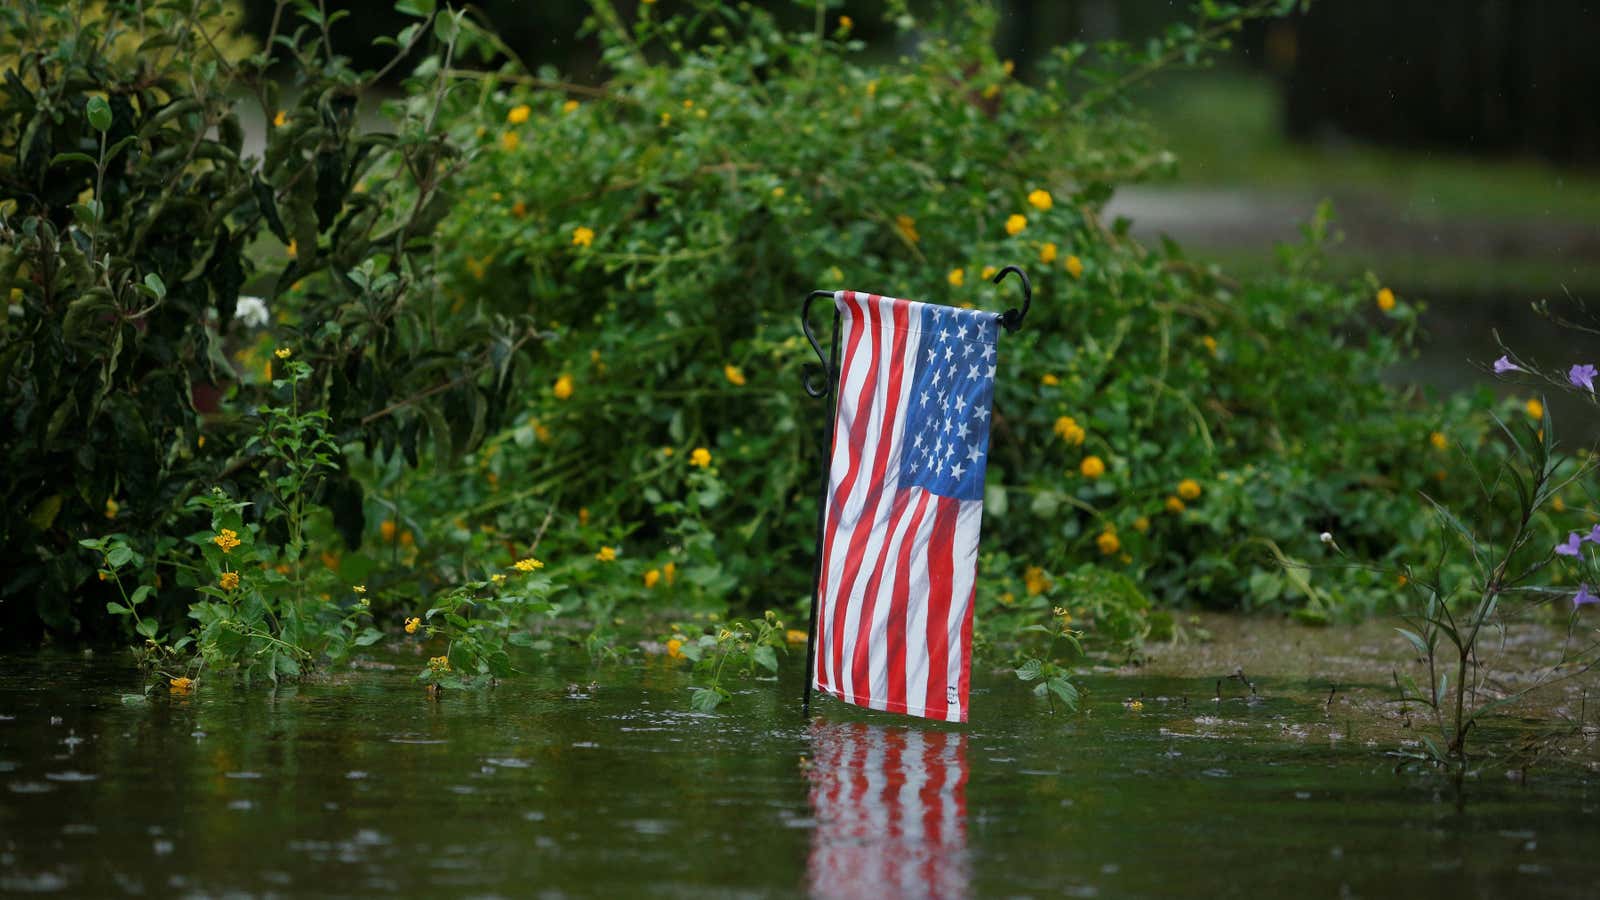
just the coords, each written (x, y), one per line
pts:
(1154, 417)
(131, 218)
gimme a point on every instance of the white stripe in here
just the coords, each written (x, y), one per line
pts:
(917, 609)
(850, 383)
(879, 522)
(837, 467)
(964, 553)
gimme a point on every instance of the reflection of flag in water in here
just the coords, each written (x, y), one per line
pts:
(891, 812)
(905, 499)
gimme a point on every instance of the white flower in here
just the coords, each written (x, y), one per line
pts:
(1326, 537)
(252, 311)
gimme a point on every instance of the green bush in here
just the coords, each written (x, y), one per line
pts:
(132, 216)
(1154, 417)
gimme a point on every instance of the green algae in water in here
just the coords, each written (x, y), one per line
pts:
(582, 781)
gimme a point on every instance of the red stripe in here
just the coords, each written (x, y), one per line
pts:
(899, 603)
(941, 567)
(861, 413)
(937, 857)
(894, 771)
(825, 672)
(874, 491)
(861, 677)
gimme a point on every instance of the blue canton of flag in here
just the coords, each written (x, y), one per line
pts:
(952, 393)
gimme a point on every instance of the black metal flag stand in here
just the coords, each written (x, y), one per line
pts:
(823, 382)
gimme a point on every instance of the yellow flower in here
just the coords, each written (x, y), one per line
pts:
(1535, 408)
(1008, 598)
(1385, 299)
(510, 141)
(563, 387)
(1069, 430)
(439, 664)
(1174, 505)
(112, 508)
(652, 578)
(606, 554)
(519, 209)
(227, 539)
(700, 457)
(1092, 467)
(1041, 201)
(281, 119)
(583, 516)
(183, 683)
(957, 277)
(582, 236)
(1074, 267)
(527, 565)
(283, 353)
(988, 272)
(734, 374)
(412, 624)
(667, 452)
(1049, 379)
(670, 572)
(1401, 580)
(1108, 543)
(1008, 67)
(387, 529)
(569, 107)
(846, 23)
(1047, 253)
(1558, 504)
(1016, 223)
(1035, 580)
(228, 580)
(519, 114)
(675, 649)
(1141, 524)
(498, 578)
(907, 227)
(1136, 706)
(1438, 440)
(778, 192)
(795, 636)
(1189, 489)
(1211, 344)
(872, 88)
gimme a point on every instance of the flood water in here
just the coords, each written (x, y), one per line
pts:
(581, 781)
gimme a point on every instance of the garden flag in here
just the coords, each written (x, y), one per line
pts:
(903, 505)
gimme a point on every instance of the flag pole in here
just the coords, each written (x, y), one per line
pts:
(826, 388)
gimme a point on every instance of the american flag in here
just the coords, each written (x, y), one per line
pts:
(904, 504)
(891, 812)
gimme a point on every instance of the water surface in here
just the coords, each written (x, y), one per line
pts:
(582, 781)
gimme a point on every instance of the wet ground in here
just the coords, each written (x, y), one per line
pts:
(581, 781)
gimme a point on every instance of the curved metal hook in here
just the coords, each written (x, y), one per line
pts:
(812, 373)
(1012, 318)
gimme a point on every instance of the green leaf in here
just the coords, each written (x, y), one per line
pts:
(156, 285)
(63, 158)
(147, 627)
(706, 699)
(99, 114)
(1030, 670)
(119, 556)
(766, 658)
(117, 609)
(1415, 639)
(140, 593)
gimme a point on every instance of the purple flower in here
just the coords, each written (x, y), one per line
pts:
(1583, 376)
(1570, 548)
(1504, 365)
(1593, 536)
(1583, 597)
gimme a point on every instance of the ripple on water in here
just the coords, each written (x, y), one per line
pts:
(30, 787)
(71, 776)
